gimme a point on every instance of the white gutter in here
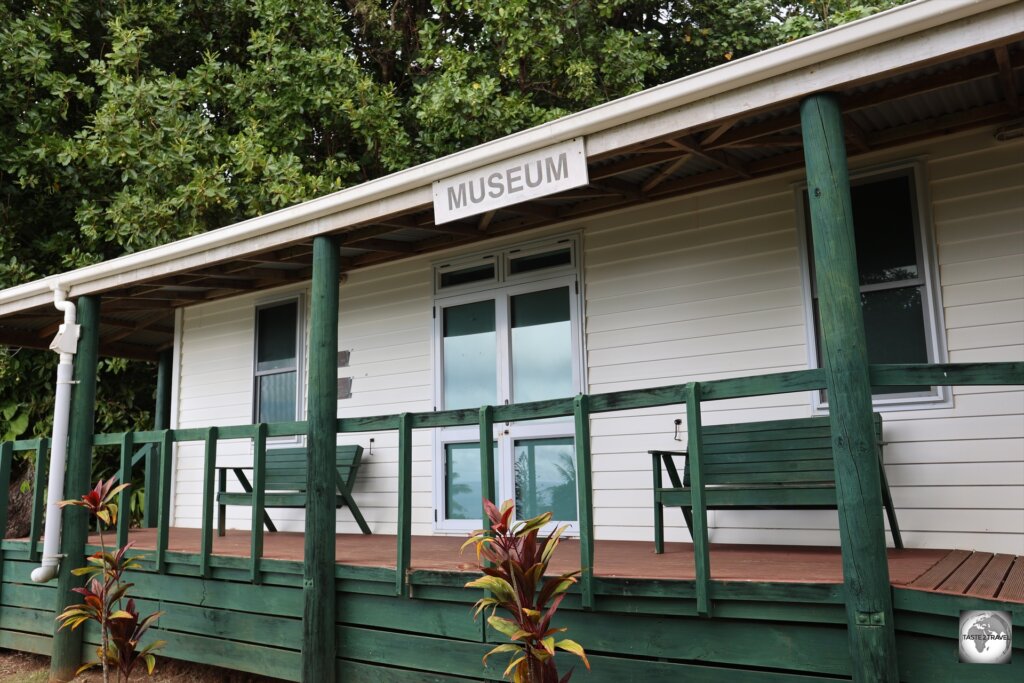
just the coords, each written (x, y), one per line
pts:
(65, 344)
(888, 26)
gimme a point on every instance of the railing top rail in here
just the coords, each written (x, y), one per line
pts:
(947, 374)
(28, 444)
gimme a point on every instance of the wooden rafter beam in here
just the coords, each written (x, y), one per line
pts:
(485, 221)
(47, 331)
(633, 163)
(533, 209)
(718, 132)
(160, 294)
(856, 134)
(1007, 79)
(868, 98)
(147, 323)
(689, 144)
(455, 228)
(353, 237)
(941, 125)
(665, 173)
(121, 302)
(620, 187)
(390, 246)
(28, 340)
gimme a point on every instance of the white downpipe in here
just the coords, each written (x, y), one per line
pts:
(66, 344)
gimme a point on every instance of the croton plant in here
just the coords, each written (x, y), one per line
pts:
(514, 560)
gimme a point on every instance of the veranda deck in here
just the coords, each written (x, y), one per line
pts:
(768, 603)
(952, 572)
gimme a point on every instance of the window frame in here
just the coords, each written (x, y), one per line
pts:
(298, 298)
(503, 286)
(932, 310)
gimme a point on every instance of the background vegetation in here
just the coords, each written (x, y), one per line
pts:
(129, 124)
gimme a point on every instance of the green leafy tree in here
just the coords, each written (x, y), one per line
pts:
(132, 124)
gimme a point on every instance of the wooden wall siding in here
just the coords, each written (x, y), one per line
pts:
(700, 287)
(714, 290)
(640, 630)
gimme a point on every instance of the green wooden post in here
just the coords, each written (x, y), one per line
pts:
(124, 476)
(659, 509)
(42, 470)
(259, 492)
(488, 489)
(209, 472)
(403, 558)
(858, 491)
(694, 450)
(67, 643)
(163, 522)
(6, 463)
(161, 420)
(584, 498)
(321, 438)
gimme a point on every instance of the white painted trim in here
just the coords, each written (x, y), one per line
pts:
(506, 287)
(904, 35)
(924, 238)
(175, 379)
(299, 296)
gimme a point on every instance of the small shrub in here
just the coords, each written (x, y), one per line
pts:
(105, 593)
(515, 562)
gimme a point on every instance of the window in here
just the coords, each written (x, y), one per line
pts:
(507, 330)
(276, 373)
(897, 284)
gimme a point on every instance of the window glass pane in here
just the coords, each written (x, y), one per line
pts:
(551, 259)
(546, 478)
(468, 275)
(275, 336)
(883, 216)
(541, 346)
(470, 356)
(277, 396)
(894, 324)
(463, 497)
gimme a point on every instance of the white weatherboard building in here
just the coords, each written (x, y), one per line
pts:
(676, 249)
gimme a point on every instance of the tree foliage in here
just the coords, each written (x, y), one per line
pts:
(131, 124)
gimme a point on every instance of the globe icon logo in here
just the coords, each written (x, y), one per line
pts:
(986, 637)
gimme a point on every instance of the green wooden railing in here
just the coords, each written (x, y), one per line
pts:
(580, 408)
(41, 446)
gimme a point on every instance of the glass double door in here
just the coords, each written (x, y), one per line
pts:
(516, 345)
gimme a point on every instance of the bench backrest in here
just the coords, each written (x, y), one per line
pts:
(286, 467)
(774, 452)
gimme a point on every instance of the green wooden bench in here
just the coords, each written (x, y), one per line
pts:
(781, 464)
(286, 484)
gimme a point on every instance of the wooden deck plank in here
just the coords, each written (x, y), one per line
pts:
(964, 576)
(991, 578)
(613, 559)
(925, 569)
(939, 572)
(1013, 586)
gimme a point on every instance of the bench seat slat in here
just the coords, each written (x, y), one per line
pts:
(792, 455)
(778, 466)
(791, 478)
(714, 438)
(755, 497)
(776, 444)
(768, 425)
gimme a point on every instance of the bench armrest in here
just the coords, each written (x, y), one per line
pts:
(668, 452)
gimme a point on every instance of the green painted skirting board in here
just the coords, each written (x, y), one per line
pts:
(638, 631)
